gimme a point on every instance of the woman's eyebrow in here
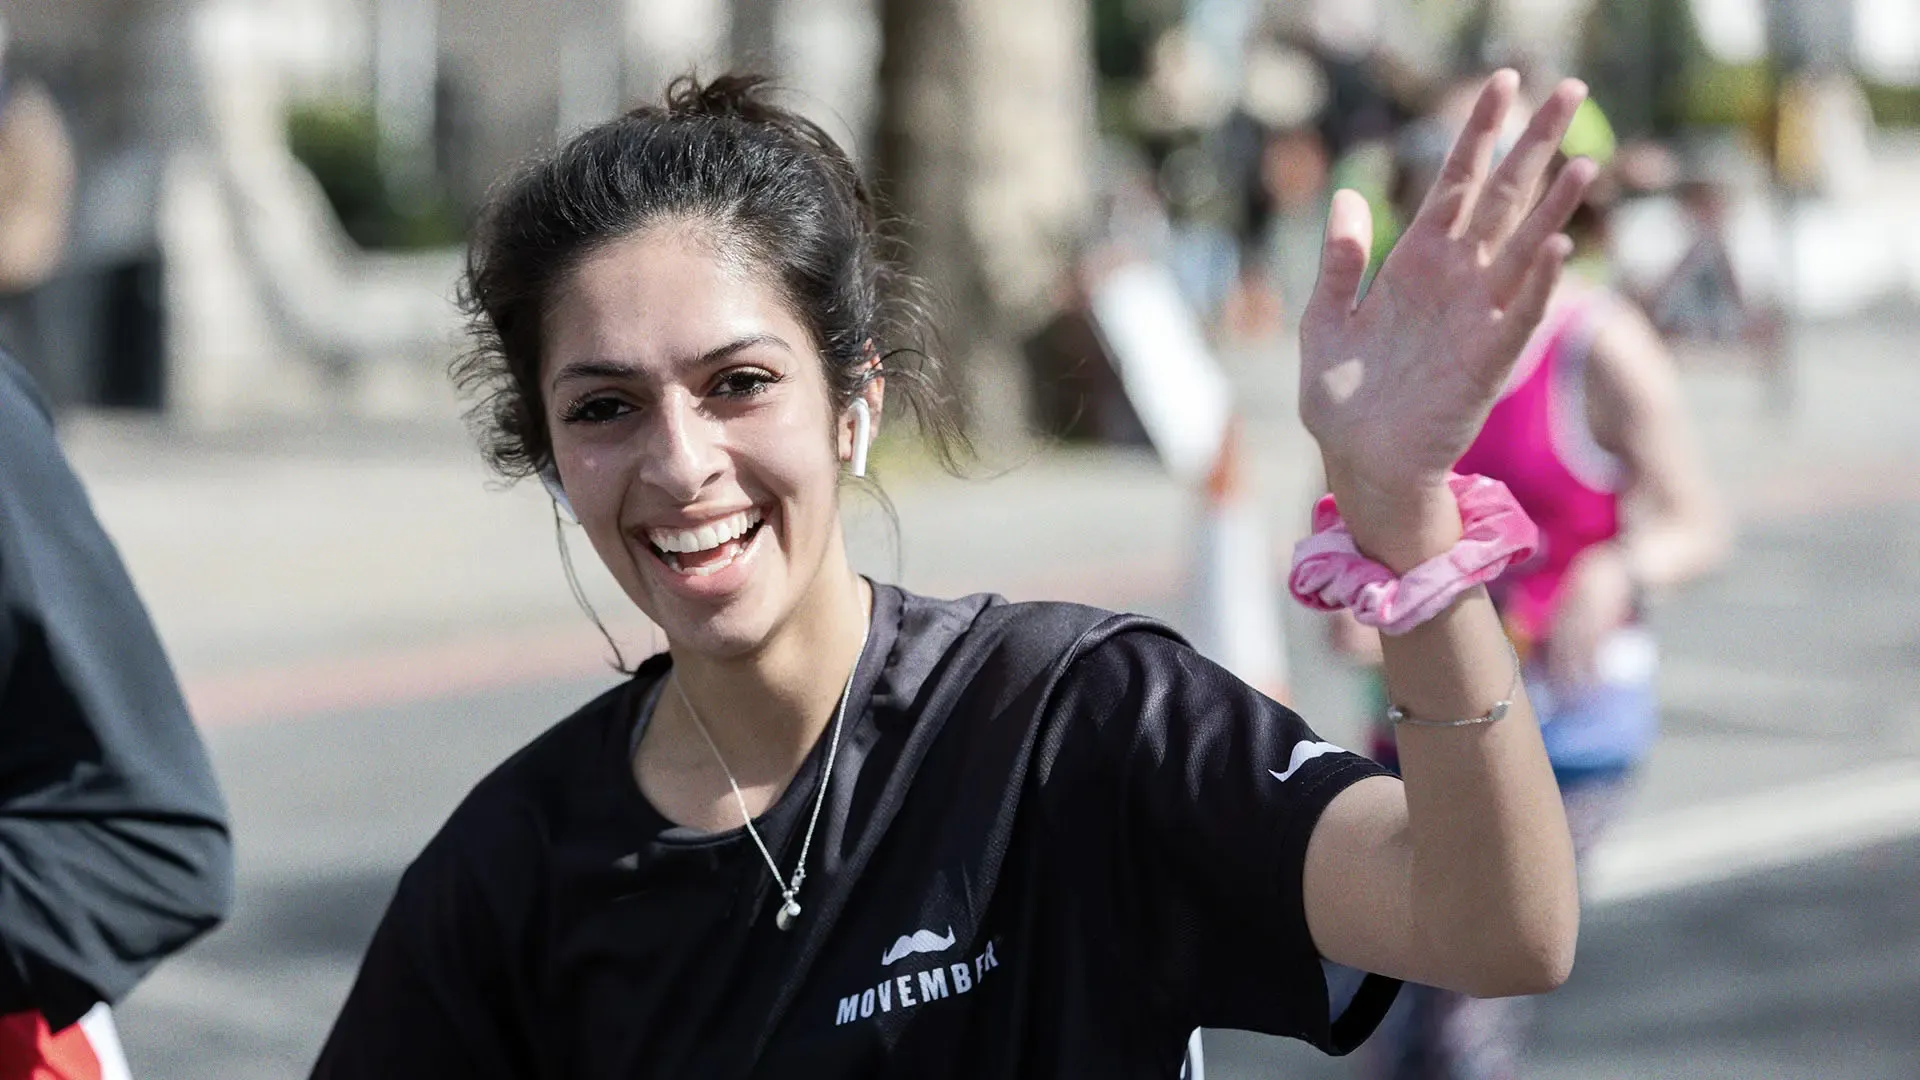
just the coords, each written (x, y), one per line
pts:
(619, 369)
(714, 356)
(593, 369)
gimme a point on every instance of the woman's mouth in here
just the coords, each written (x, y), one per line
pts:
(708, 549)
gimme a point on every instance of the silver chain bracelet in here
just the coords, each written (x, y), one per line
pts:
(1397, 715)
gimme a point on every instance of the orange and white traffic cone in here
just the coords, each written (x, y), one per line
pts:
(1233, 617)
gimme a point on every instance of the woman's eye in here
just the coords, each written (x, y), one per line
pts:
(598, 410)
(744, 383)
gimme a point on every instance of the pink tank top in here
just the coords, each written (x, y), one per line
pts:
(1537, 441)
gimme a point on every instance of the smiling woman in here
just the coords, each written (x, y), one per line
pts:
(841, 830)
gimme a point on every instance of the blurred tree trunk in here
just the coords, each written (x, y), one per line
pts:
(754, 38)
(985, 150)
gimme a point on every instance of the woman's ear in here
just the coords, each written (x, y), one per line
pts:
(550, 479)
(862, 436)
(863, 425)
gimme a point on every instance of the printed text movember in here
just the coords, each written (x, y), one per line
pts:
(916, 988)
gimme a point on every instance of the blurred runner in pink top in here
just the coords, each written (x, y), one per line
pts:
(1537, 441)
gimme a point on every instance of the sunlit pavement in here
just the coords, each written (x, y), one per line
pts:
(341, 616)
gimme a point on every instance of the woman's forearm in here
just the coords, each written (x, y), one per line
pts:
(1493, 890)
(1493, 897)
(1677, 529)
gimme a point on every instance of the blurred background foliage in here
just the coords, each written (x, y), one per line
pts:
(1893, 106)
(339, 142)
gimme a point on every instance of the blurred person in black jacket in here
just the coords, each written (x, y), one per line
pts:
(114, 851)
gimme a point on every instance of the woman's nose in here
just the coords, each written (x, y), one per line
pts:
(682, 452)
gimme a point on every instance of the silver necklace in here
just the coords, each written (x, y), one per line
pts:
(790, 890)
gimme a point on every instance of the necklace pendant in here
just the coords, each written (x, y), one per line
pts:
(789, 911)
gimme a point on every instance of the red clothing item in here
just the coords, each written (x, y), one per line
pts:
(1537, 442)
(88, 1050)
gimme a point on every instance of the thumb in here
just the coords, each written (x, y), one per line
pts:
(1343, 259)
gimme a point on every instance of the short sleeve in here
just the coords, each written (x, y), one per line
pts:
(1191, 797)
(435, 995)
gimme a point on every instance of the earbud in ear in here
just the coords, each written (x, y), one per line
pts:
(862, 436)
(550, 479)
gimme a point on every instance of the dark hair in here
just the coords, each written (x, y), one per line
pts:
(770, 186)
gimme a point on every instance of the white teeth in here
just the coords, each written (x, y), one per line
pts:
(706, 537)
(673, 563)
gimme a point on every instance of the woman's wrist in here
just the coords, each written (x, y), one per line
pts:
(1400, 528)
(1446, 548)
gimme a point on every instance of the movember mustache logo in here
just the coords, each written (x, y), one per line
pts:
(920, 941)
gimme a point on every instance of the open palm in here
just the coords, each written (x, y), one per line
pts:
(1394, 386)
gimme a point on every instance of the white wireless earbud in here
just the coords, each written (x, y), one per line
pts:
(550, 479)
(862, 436)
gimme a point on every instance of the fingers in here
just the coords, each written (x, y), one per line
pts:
(1510, 192)
(1452, 196)
(1518, 321)
(1343, 259)
(1517, 256)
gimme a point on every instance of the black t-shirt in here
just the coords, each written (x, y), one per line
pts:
(113, 836)
(1055, 842)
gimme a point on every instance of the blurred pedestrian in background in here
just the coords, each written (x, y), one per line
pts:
(1280, 166)
(36, 195)
(113, 838)
(1591, 436)
(839, 829)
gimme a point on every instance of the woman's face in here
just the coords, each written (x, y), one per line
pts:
(694, 435)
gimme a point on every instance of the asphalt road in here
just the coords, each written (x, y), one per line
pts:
(1807, 974)
(327, 810)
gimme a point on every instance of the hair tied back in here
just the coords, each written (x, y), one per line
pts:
(732, 96)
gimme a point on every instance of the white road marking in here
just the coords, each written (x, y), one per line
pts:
(1760, 831)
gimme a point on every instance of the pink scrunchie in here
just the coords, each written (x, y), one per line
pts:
(1329, 573)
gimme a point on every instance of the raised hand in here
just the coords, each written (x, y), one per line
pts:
(1395, 387)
